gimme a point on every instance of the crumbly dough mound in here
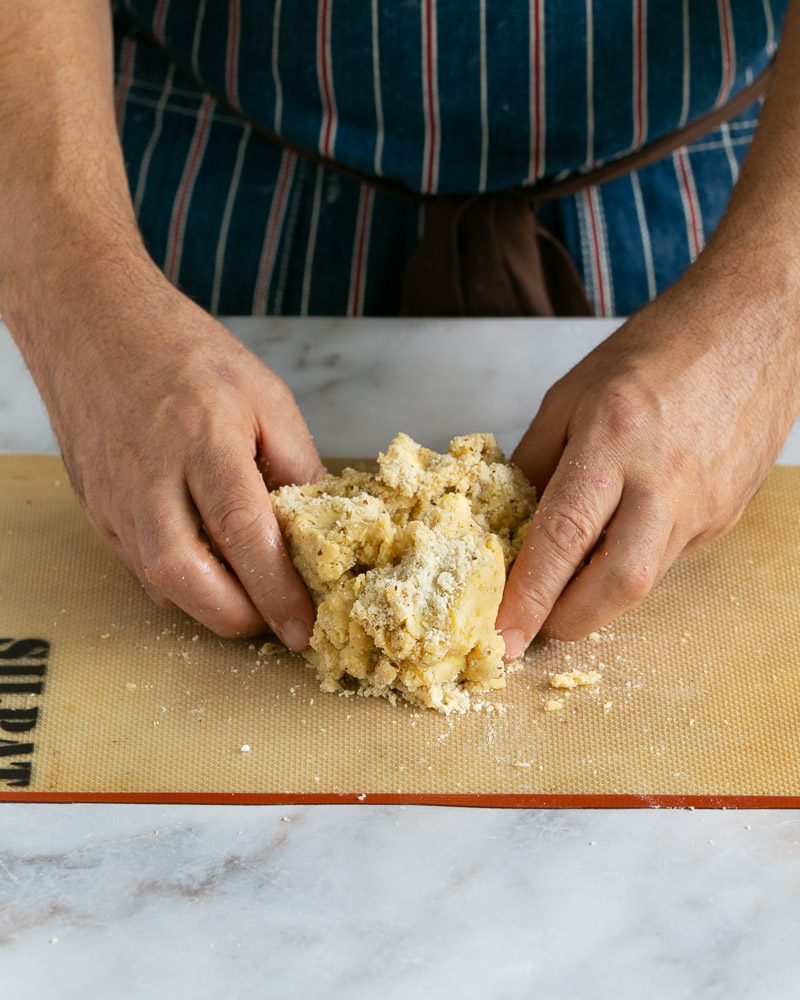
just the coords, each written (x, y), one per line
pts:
(407, 566)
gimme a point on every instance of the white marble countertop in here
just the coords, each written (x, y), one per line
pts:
(348, 901)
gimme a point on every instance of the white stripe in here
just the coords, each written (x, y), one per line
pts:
(222, 242)
(587, 253)
(183, 196)
(484, 99)
(312, 242)
(770, 23)
(687, 66)
(694, 231)
(276, 77)
(158, 124)
(179, 110)
(718, 145)
(725, 132)
(376, 82)
(728, 65)
(198, 26)
(644, 230)
(272, 233)
(536, 33)
(589, 84)
(602, 239)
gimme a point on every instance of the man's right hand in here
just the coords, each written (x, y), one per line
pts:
(172, 431)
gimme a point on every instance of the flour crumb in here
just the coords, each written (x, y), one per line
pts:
(554, 705)
(576, 678)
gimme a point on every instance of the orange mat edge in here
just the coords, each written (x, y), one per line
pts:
(479, 801)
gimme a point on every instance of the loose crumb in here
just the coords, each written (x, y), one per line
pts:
(576, 678)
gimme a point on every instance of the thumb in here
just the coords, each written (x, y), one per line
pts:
(286, 451)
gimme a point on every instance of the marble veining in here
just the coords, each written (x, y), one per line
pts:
(345, 901)
(358, 902)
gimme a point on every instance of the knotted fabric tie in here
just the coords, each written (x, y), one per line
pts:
(487, 255)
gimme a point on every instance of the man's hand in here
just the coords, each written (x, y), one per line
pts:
(655, 442)
(650, 447)
(172, 431)
(170, 428)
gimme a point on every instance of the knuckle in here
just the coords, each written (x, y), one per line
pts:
(234, 626)
(530, 600)
(158, 598)
(625, 414)
(632, 582)
(234, 521)
(280, 391)
(165, 572)
(552, 397)
(569, 532)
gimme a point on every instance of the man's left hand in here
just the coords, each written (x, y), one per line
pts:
(649, 448)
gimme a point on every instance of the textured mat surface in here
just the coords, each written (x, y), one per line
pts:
(104, 696)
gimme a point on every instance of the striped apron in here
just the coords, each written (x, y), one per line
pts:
(441, 97)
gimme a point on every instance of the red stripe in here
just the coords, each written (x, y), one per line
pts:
(433, 136)
(363, 215)
(232, 57)
(501, 800)
(727, 50)
(125, 77)
(538, 86)
(695, 242)
(182, 197)
(639, 46)
(273, 229)
(596, 256)
(327, 90)
(159, 19)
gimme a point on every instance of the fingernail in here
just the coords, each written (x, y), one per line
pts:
(514, 642)
(295, 634)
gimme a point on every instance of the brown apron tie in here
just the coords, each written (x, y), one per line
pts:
(486, 255)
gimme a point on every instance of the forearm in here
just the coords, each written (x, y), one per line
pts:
(66, 219)
(759, 234)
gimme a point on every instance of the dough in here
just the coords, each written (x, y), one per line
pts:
(407, 566)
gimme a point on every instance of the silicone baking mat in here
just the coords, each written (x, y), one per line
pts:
(105, 697)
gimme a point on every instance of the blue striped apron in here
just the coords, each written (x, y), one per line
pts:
(444, 96)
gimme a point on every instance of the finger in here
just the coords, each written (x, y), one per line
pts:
(575, 507)
(179, 569)
(622, 571)
(290, 456)
(125, 547)
(543, 444)
(234, 504)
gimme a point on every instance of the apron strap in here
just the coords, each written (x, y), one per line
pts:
(487, 255)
